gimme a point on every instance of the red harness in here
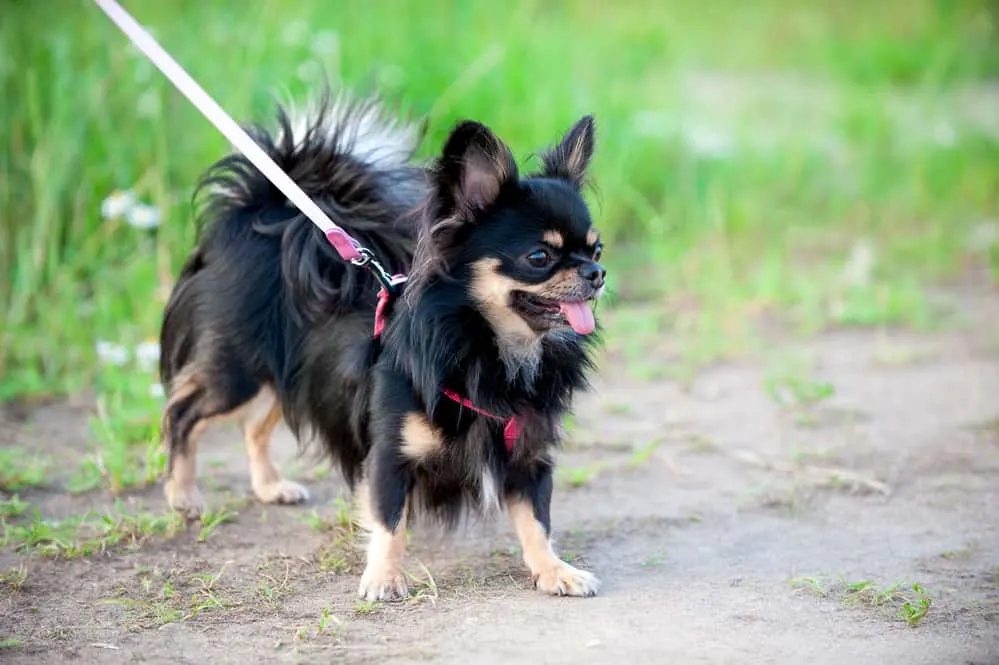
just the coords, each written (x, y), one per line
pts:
(383, 299)
(511, 427)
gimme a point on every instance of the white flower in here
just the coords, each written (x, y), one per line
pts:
(309, 71)
(148, 104)
(111, 353)
(142, 216)
(156, 390)
(709, 141)
(295, 32)
(117, 204)
(653, 123)
(944, 134)
(147, 355)
(984, 236)
(391, 76)
(860, 264)
(125, 204)
(325, 44)
(143, 71)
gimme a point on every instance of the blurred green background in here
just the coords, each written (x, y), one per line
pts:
(811, 163)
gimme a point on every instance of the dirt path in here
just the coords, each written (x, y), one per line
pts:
(725, 530)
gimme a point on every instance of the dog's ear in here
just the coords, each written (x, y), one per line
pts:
(468, 177)
(472, 171)
(570, 158)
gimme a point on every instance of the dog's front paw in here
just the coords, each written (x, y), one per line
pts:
(185, 499)
(380, 583)
(561, 579)
(281, 491)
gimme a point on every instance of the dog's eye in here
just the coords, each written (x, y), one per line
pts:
(539, 258)
(598, 252)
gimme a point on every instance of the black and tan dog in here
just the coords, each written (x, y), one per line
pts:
(457, 404)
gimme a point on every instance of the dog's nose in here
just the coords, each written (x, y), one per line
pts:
(594, 273)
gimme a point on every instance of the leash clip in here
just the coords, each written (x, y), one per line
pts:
(366, 259)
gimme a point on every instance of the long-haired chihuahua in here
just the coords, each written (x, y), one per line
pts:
(457, 404)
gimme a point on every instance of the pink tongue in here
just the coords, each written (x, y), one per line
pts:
(579, 315)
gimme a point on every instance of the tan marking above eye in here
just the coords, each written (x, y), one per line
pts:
(592, 238)
(554, 238)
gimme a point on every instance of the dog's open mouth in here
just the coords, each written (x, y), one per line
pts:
(549, 313)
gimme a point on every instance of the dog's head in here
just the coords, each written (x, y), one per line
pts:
(525, 248)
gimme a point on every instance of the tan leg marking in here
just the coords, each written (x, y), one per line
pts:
(420, 439)
(551, 574)
(383, 578)
(181, 487)
(258, 419)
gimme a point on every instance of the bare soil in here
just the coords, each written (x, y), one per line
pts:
(724, 528)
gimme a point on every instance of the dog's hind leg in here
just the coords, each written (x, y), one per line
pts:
(193, 403)
(258, 420)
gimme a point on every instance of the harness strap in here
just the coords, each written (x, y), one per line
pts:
(511, 430)
(512, 426)
(385, 294)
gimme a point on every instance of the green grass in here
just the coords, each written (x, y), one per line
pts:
(13, 507)
(962, 553)
(579, 476)
(341, 519)
(643, 454)
(909, 602)
(175, 596)
(340, 553)
(329, 626)
(655, 561)
(808, 584)
(754, 159)
(912, 603)
(20, 469)
(272, 588)
(915, 608)
(213, 519)
(367, 607)
(14, 578)
(85, 535)
(794, 386)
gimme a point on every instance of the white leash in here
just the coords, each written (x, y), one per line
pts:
(346, 246)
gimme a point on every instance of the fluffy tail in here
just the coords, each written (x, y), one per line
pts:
(354, 162)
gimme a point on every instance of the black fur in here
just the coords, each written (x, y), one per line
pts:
(264, 300)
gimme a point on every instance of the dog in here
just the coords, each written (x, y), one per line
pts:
(455, 407)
